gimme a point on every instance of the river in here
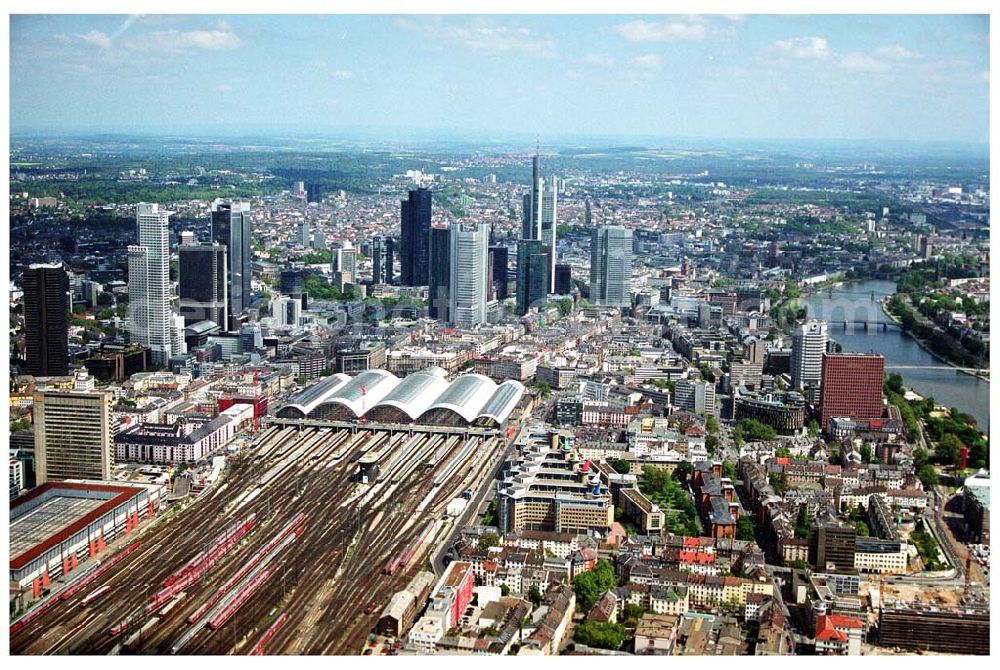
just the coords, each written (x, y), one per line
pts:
(925, 374)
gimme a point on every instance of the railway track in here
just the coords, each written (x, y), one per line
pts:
(321, 583)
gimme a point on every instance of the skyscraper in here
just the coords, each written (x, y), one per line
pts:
(564, 279)
(46, 324)
(540, 214)
(73, 436)
(809, 340)
(382, 259)
(149, 283)
(344, 265)
(852, 386)
(500, 265)
(611, 266)
(203, 285)
(467, 286)
(533, 273)
(231, 227)
(439, 286)
(415, 225)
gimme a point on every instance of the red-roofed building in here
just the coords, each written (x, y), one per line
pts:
(838, 634)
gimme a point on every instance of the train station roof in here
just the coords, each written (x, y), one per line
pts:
(420, 396)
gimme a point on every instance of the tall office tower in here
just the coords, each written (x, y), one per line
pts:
(415, 224)
(251, 338)
(46, 321)
(809, 340)
(832, 541)
(564, 279)
(467, 290)
(203, 289)
(852, 386)
(231, 227)
(149, 283)
(439, 284)
(178, 345)
(286, 311)
(344, 265)
(73, 435)
(588, 215)
(540, 214)
(382, 259)
(695, 396)
(314, 193)
(533, 261)
(305, 233)
(611, 266)
(500, 266)
(187, 237)
(291, 282)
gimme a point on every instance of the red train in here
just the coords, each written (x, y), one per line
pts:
(96, 595)
(75, 587)
(242, 597)
(403, 557)
(258, 649)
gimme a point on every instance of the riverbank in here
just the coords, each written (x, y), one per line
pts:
(926, 347)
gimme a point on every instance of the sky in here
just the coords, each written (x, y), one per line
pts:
(877, 77)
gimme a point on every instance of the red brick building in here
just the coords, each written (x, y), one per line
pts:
(851, 387)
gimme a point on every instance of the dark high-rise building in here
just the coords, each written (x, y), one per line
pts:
(533, 274)
(498, 274)
(832, 541)
(231, 227)
(851, 386)
(314, 193)
(292, 282)
(382, 250)
(46, 320)
(438, 294)
(564, 279)
(415, 225)
(202, 275)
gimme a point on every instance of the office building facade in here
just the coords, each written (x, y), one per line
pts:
(499, 265)
(46, 321)
(231, 228)
(809, 339)
(540, 214)
(203, 283)
(415, 225)
(73, 435)
(564, 279)
(467, 284)
(439, 283)
(149, 322)
(383, 256)
(851, 386)
(611, 266)
(533, 261)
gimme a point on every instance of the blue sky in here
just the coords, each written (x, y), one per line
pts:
(885, 77)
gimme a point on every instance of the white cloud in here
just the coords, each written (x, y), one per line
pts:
(604, 60)
(863, 63)
(692, 28)
(342, 74)
(94, 38)
(175, 41)
(483, 35)
(896, 52)
(647, 62)
(807, 48)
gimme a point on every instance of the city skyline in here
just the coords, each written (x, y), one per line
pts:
(705, 76)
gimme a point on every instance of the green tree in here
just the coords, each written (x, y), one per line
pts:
(712, 425)
(862, 528)
(744, 528)
(504, 590)
(928, 476)
(803, 524)
(544, 389)
(711, 444)
(949, 449)
(729, 470)
(783, 452)
(778, 482)
(920, 458)
(488, 539)
(683, 471)
(589, 585)
(813, 428)
(534, 594)
(600, 634)
(754, 430)
(866, 453)
(565, 306)
(621, 466)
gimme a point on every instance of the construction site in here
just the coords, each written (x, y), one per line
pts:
(294, 550)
